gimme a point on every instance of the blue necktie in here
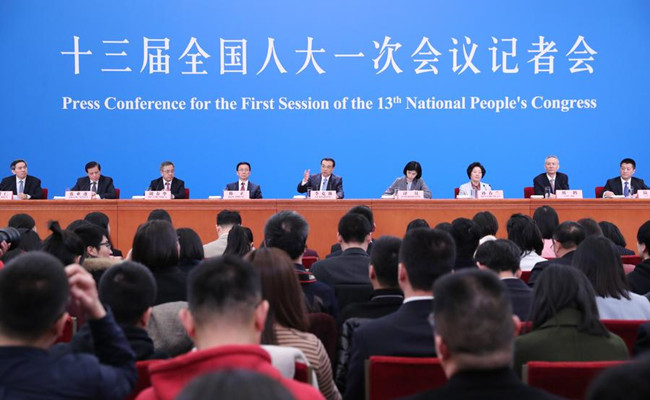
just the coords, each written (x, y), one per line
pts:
(626, 189)
(21, 187)
(324, 184)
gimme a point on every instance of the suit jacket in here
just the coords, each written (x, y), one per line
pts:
(177, 189)
(541, 181)
(402, 184)
(539, 267)
(521, 297)
(466, 188)
(406, 332)
(32, 186)
(334, 183)
(105, 188)
(335, 250)
(616, 186)
(254, 189)
(639, 279)
(351, 267)
(642, 344)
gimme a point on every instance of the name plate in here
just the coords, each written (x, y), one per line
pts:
(568, 194)
(78, 195)
(489, 194)
(409, 194)
(643, 194)
(323, 194)
(157, 195)
(6, 195)
(236, 194)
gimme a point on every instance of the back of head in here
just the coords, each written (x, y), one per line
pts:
(427, 254)
(600, 263)
(466, 236)
(524, 232)
(191, 246)
(473, 315)
(499, 255)
(234, 384)
(354, 228)
(562, 287)
(643, 235)
(486, 223)
(445, 226)
(33, 295)
(129, 289)
(228, 218)
(569, 234)
(611, 232)
(287, 230)
(155, 245)
(547, 220)
(384, 258)
(590, 226)
(19, 221)
(238, 242)
(91, 234)
(628, 381)
(417, 223)
(66, 246)
(159, 214)
(98, 218)
(224, 288)
(366, 212)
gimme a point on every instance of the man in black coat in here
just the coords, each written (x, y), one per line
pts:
(566, 238)
(101, 186)
(551, 178)
(22, 185)
(625, 184)
(168, 182)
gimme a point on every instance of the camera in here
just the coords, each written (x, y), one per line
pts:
(11, 236)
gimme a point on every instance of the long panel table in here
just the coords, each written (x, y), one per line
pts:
(391, 216)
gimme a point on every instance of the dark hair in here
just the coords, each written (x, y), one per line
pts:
(249, 233)
(413, 166)
(627, 381)
(466, 236)
(643, 235)
(328, 159)
(384, 258)
(228, 217)
(239, 243)
(282, 290)
(90, 234)
(611, 232)
(14, 162)
(191, 245)
(235, 384)
(93, 164)
(601, 264)
(98, 218)
(155, 245)
(29, 241)
(129, 289)
(427, 254)
(366, 212)
(417, 223)
(560, 287)
(628, 161)
(499, 255)
(287, 230)
(22, 221)
(354, 228)
(159, 214)
(547, 220)
(64, 245)
(221, 286)
(243, 163)
(486, 223)
(523, 231)
(166, 163)
(569, 234)
(33, 295)
(473, 314)
(445, 226)
(473, 165)
(590, 226)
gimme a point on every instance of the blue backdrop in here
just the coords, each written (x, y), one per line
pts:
(370, 146)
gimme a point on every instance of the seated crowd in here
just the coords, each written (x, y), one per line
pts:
(228, 318)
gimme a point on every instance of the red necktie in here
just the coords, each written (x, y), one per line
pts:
(167, 186)
(243, 187)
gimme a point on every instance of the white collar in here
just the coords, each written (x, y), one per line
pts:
(417, 298)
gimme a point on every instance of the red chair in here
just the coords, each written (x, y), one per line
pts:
(187, 193)
(117, 193)
(45, 193)
(632, 260)
(599, 191)
(456, 191)
(69, 329)
(525, 275)
(528, 191)
(390, 378)
(324, 327)
(144, 379)
(308, 261)
(566, 379)
(626, 329)
(303, 373)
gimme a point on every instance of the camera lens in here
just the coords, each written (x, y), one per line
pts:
(11, 236)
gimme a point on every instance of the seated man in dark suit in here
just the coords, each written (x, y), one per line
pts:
(243, 172)
(551, 178)
(335, 249)
(326, 180)
(351, 267)
(168, 182)
(639, 279)
(474, 335)
(625, 184)
(566, 238)
(424, 256)
(101, 186)
(502, 257)
(24, 186)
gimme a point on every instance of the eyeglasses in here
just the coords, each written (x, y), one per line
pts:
(107, 244)
(167, 171)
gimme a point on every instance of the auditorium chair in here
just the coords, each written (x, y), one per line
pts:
(69, 329)
(308, 261)
(456, 191)
(390, 378)
(303, 373)
(525, 275)
(44, 193)
(187, 193)
(323, 326)
(117, 193)
(144, 379)
(632, 260)
(599, 191)
(566, 379)
(528, 191)
(626, 329)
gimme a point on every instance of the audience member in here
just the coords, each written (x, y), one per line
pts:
(101, 219)
(417, 223)
(639, 279)
(424, 256)
(566, 238)
(502, 257)
(29, 241)
(590, 226)
(21, 220)
(66, 246)
(226, 219)
(160, 214)
(628, 381)
(523, 231)
(239, 242)
(226, 317)
(487, 226)
(191, 249)
(466, 237)
(611, 232)
(236, 384)
(97, 257)
(364, 210)
(474, 335)
(566, 324)
(547, 220)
